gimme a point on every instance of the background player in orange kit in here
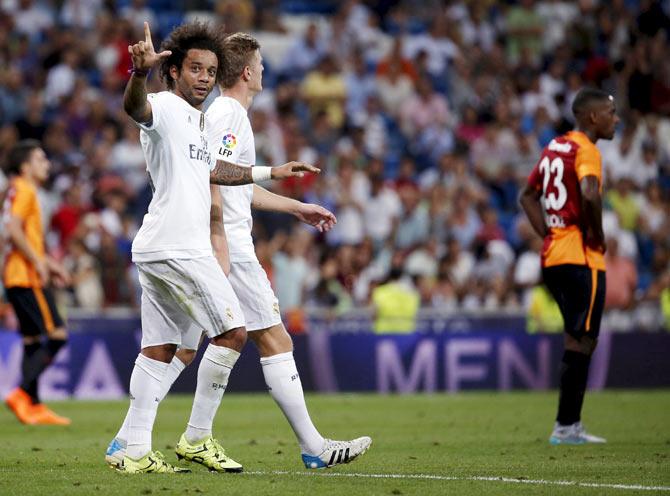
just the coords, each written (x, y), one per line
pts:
(27, 271)
(563, 202)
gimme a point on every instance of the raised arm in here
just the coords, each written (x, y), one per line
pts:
(592, 206)
(229, 174)
(530, 199)
(144, 57)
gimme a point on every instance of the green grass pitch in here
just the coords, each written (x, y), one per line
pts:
(499, 437)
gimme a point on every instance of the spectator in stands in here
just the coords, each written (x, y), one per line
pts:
(360, 85)
(380, 211)
(396, 303)
(524, 29)
(86, 285)
(394, 88)
(32, 124)
(413, 226)
(437, 45)
(329, 292)
(291, 269)
(622, 201)
(13, 96)
(324, 89)
(61, 78)
(543, 314)
(621, 278)
(424, 109)
(304, 54)
(351, 192)
(647, 171)
(30, 17)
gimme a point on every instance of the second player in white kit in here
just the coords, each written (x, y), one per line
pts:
(241, 81)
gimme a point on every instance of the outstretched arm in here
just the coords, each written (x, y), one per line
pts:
(311, 214)
(530, 202)
(144, 57)
(229, 174)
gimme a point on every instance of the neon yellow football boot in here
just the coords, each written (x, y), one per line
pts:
(207, 452)
(152, 463)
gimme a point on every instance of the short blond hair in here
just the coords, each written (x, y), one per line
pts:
(238, 49)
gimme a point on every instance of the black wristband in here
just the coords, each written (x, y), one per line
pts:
(139, 72)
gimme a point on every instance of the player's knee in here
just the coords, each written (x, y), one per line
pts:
(272, 341)
(584, 344)
(185, 356)
(58, 334)
(162, 352)
(234, 339)
(591, 344)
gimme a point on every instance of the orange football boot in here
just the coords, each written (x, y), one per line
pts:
(43, 415)
(20, 403)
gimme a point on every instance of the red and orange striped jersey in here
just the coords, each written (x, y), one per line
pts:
(563, 164)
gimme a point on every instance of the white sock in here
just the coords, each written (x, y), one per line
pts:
(145, 390)
(283, 381)
(174, 369)
(213, 373)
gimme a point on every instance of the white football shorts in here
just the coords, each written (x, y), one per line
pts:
(180, 294)
(256, 298)
(254, 292)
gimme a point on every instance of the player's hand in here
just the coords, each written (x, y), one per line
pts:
(42, 269)
(317, 216)
(61, 277)
(293, 169)
(143, 54)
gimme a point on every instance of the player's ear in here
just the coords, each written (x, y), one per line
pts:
(593, 116)
(174, 72)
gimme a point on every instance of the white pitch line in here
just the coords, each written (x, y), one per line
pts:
(509, 480)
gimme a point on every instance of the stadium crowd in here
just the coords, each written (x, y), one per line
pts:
(425, 118)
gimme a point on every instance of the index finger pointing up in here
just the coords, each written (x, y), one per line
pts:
(147, 33)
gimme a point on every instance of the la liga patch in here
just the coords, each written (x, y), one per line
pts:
(229, 141)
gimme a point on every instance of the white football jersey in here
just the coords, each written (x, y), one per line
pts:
(179, 161)
(233, 141)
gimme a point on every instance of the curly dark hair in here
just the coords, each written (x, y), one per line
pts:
(198, 35)
(238, 49)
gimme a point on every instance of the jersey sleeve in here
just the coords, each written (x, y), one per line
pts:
(158, 111)
(535, 178)
(228, 133)
(21, 202)
(588, 162)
